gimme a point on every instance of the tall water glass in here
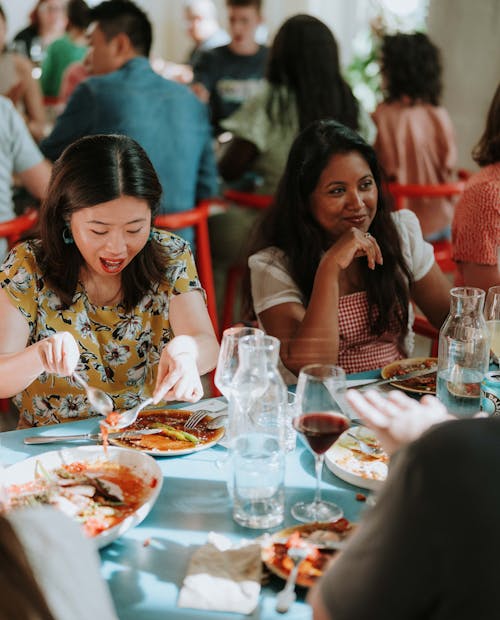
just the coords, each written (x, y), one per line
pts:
(492, 316)
(228, 361)
(320, 422)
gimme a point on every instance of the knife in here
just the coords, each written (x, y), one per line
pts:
(38, 439)
(396, 378)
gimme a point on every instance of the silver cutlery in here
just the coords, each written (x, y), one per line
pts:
(40, 439)
(396, 378)
(217, 422)
(130, 416)
(197, 416)
(287, 596)
(364, 446)
(98, 399)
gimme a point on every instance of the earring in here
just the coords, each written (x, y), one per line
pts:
(151, 235)
(67, 236)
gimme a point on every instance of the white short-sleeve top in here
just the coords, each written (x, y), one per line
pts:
(359, 350)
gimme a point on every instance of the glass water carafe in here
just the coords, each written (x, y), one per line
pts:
(463, 352)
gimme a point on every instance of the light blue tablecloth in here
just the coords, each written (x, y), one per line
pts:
(145, 580)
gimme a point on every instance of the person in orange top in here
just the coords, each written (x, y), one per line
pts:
(476, 224)
(415, 141)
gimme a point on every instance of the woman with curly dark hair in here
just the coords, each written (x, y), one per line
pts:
(333, 270)
(415, 141)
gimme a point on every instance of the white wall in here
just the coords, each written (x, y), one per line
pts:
(468, 35)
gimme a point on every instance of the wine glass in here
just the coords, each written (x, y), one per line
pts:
(319, 422)
(227, 363)
(492, 316)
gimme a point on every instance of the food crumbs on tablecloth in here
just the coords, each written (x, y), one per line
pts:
(360, 497)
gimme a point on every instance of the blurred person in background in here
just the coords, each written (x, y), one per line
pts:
(17, 83)
(476, 223)
(226, 76)
(415, 137)
(19, 155)
(70, 48)
(124, 95)
(47, 23)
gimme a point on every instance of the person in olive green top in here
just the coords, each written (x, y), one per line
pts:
(66, 50)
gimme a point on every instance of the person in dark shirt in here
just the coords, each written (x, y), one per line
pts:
(429, 548)
(226, 76)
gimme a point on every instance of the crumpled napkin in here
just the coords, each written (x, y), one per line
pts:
(222, 576)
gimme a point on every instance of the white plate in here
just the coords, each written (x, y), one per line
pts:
(155, 451)
(142, 465)
(353, 466)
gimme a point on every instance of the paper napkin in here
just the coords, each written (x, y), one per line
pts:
(223, 577)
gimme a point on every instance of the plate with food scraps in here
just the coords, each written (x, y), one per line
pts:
(324, 539)
(172, 439)
(108, 495)
(347, 461)
(426, 384)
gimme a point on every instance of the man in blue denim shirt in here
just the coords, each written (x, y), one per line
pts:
(127, 97)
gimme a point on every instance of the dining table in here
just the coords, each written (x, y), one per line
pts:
(145, 567)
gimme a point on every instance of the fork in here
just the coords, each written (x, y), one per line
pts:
(287, 596)
(197, 416)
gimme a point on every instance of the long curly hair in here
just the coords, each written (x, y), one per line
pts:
(93, 170)
(487, 150)
(304, 58)
(290, 225)
(411, 66)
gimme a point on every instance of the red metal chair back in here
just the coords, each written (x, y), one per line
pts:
(443, 249)
(14, 228)
(198, 218)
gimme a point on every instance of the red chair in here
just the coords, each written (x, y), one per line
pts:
(13, 229)
(236, 272)
(197, 217)
(443, 248)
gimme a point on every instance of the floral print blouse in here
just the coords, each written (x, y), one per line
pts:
(119, 350)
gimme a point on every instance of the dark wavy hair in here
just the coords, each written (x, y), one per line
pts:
(487, 150)
(304, 57)
(93, 170)
(411, 65)
(123, 16)
(290, 225)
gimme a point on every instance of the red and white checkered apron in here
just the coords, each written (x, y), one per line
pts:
(359, 349)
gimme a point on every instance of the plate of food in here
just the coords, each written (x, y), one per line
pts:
(171, 439)
(348, 461)
(108, 495)
(323, 539)
(425, 384)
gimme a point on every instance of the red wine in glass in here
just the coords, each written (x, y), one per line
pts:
(321, 429)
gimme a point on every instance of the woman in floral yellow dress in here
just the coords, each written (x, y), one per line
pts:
(102, 292)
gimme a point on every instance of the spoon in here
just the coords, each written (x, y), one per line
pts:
(98, 399)
(287, 596)
(365, 447)
(130, 416)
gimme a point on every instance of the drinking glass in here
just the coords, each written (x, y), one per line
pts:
(492, 316)
(319, 421)
(228, 361)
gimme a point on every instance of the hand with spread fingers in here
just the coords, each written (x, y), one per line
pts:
(397, 419)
